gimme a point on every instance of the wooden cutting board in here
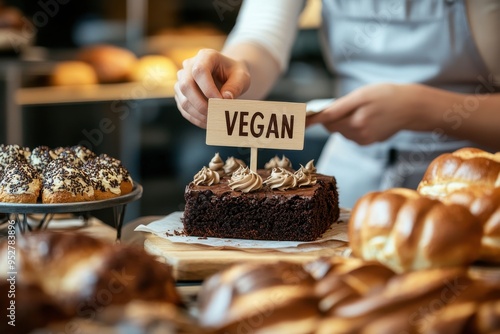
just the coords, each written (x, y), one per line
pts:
(196, 262)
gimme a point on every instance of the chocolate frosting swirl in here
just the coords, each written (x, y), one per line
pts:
(310, 166)
(216, 164)
(281, 179)
(206, 177)
(305, 177)
(275, 162)
(245, 180)
(232, 164)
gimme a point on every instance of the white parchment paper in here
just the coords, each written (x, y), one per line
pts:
(170, 228)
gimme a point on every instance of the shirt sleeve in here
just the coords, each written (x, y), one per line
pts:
(271, 24)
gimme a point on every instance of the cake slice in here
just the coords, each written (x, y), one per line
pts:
(291, 210)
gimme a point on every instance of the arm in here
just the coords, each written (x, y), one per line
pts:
(376, 112)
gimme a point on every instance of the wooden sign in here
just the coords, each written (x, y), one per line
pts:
(256, 124)
(261, 124)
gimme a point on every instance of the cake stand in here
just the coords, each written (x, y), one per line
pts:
(19, 211)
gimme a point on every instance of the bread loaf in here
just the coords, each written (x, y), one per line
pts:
(463, 168)
(484, 203)
(111, 63)
(407, 231)
(259, 298)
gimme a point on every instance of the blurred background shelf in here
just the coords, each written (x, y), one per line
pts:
(93, 93)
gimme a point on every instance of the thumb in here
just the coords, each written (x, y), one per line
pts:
(237, 84)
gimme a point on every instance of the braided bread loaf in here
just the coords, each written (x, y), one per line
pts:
(407, 231)
(484, 204)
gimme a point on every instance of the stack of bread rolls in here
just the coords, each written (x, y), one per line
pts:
(347, 295)
(453, 219)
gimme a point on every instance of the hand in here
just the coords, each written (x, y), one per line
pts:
(209, 74)
(374, 113)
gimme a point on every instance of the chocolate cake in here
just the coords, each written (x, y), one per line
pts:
(300, 212)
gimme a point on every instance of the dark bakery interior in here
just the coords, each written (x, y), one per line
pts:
(169, 256)
(162, 150)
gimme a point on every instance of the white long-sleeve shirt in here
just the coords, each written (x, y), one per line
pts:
(273, 24)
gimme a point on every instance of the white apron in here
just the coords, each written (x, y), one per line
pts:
(396, 41)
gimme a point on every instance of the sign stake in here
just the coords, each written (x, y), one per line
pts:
(253, 159)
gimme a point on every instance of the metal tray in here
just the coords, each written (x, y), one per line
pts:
(19, 211)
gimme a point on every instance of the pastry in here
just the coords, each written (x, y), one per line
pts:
(407, 231)
(125, 181)
(20, 183)
(83, 153)
(104, 179)
(40, 157)
(64, 182)
(11, 153)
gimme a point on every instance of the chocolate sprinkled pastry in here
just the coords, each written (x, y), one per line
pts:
(83, 153)
(123, 173)
(11, 153)
(105, 179)
(70, 157)
(20, 183)
(40, 157)
(64, 182)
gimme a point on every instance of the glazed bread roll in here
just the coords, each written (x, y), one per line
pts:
(342, 280)
(407, 231)
(259, 298)
(445, 300)
(111, 63)
(463, 168)
(73, 73)
(484, 203)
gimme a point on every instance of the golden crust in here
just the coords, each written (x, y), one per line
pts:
(461, 169)
(407, 231)
(21, 198)
(484, 204)
(101, 195)
(63, 197)
(126, 187)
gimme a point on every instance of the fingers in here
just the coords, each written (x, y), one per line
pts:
(339, 109)
(200, 79)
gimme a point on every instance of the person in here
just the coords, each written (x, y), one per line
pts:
(414, 79)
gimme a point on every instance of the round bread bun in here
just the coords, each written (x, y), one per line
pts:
(20, 183)
(463, 168)
(73, 73)
(154, 70)
(407, 231)
(65, 183)
(111, 63)
(484, 203)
